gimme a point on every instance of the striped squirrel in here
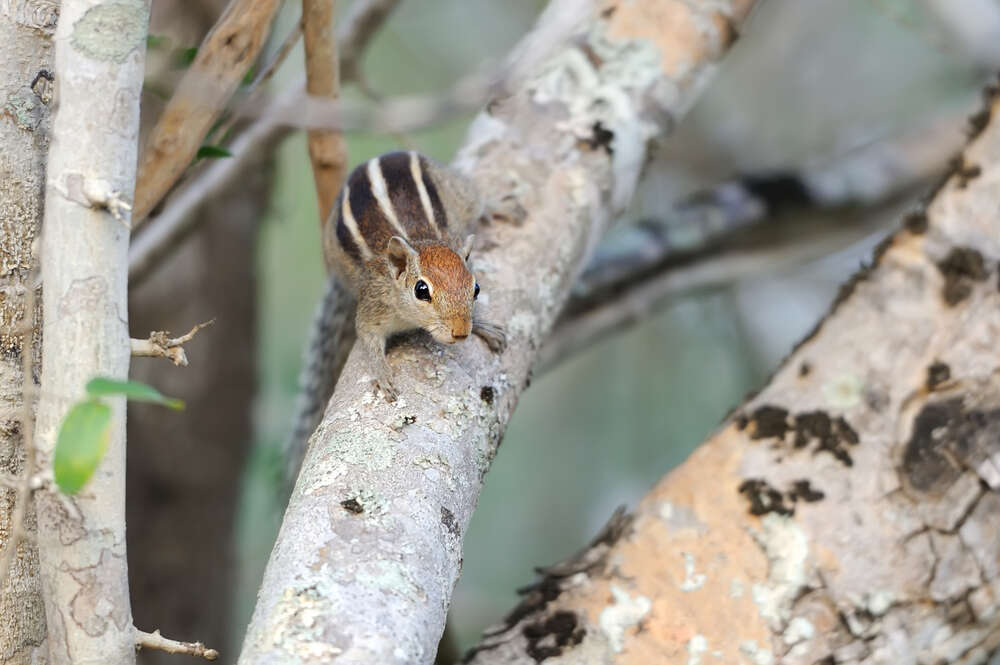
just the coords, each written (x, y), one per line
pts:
(396, 236)
(397, 239)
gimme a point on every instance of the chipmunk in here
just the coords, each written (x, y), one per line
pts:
(397, 238)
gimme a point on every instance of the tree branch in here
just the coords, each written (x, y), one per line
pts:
(737, 229)
(160, 345)
(359, 25)
(222, 61)
(154, 640)
(851, 511)
(327, 148)
(370, 546)
(99, 59)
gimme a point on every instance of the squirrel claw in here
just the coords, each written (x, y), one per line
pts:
(388, 390)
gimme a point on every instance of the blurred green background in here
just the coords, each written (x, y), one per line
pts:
(808, 80)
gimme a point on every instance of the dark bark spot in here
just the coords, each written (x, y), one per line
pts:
(947, 439)
(804, 370)
(802, 489)
(764, 498)
(559, 631)
(937, 374)
(449, 522)
(962, 266)
(916, 222)
(601, 137)
(769, 422)
(352, 506)
(487, 394)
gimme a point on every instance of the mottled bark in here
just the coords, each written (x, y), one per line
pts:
(99, 58)
(370, 547)
(25, 118)
(851, 511)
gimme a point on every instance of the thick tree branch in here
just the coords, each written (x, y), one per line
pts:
(851, 511)
(327, 148)
(100, 53)
(222, 61)
(370, 546)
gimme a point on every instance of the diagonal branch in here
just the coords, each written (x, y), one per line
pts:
(845, 513)
(370, 546)
(222, 61)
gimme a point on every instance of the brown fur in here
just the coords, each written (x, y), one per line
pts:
(385, 283)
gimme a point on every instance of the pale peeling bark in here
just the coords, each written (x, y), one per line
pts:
(371, 544)
(846, 514)
(25, 96)
(100, 51)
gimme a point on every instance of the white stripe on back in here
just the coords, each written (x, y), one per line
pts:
(425, 200)
(381, 193)
(352, 225)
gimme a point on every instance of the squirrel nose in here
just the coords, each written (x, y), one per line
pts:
(460, 330)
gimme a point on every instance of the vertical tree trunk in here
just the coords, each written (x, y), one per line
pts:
(25, 94)
(99, 58)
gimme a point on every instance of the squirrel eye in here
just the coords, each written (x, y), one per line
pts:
(422, 291)
(475, 292)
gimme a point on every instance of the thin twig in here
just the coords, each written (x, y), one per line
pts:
(359, 25)
(159, 345)
(327, 148)
(265, 74)
(169, 228)
(154, 640)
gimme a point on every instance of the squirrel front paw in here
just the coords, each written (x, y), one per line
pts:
(493, 335)
(384, 383)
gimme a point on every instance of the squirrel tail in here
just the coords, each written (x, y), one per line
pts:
(330, 340)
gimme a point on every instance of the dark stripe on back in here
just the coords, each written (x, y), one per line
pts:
(373, 225)
(432, 193)
(405, 196)
(344, 234)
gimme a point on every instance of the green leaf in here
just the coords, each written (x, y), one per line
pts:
(157, 41)
(212, 152)
(133, 390)
(185, 57)
(249, 76)
(82, 441)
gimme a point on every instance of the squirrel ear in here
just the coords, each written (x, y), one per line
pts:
(467, 247)
(400, 253)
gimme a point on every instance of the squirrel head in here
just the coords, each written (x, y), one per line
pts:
(434, 288)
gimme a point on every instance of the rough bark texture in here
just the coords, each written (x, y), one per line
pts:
(100, 51)
(852, 511)
(25, 97)
(371, 543)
